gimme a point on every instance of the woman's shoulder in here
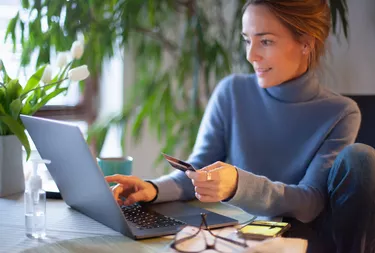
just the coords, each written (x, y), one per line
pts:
(339, 100)
(236, 81)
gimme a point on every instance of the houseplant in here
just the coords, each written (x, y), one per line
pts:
(15, 100)
(180, 50)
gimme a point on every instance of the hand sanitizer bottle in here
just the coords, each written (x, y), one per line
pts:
(35, 204)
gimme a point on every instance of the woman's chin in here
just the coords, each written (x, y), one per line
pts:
(265, 83)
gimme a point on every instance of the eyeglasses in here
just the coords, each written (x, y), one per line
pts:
(194, 240)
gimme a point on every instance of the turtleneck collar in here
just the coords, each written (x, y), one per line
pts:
(300, 89)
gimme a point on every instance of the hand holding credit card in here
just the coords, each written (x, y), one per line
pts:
(178, 164)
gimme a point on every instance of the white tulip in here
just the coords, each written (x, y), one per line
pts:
(62, 59)
(79, 73)
(47, 74)
(77, 49)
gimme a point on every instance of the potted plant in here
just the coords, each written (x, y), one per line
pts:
(15, 100)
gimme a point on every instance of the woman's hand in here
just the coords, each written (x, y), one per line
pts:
(132, 188)
(215, 182)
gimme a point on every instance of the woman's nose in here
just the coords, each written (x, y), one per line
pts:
(253, 54)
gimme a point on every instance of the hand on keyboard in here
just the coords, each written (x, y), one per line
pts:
(132, 188)
(144, 218)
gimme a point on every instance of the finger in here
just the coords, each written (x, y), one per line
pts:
(120, 191)
(206, 184)
(135, 197)
(198, 176)
(213, 166)
(194, 174)
(128, 190)
(122, 179)
(117, 190)
(204, 198)
(202, 176)
(215, 174)
(205, 191)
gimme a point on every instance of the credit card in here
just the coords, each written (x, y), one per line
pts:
(178, 164)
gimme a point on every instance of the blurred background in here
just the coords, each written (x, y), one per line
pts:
(154, 64)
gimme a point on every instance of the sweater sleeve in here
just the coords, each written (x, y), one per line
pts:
(260, 196)
(210, 146)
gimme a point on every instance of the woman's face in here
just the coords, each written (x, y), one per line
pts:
(271, 48)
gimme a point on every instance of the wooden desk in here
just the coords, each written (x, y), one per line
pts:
(71, 231)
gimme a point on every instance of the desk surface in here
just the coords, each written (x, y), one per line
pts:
(71, 231)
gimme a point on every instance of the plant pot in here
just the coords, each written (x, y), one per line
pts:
(12, 179)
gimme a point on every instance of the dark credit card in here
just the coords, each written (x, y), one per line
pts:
(178, 164)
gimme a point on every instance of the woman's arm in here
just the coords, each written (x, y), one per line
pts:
(209, 147)
(259, 195)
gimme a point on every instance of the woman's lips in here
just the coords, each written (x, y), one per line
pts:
(262, 71)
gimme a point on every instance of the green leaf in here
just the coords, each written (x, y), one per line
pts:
(35, 97)
(340, 7)
(2, 110)
(25, 4)
(28, 104)
(46, 99)
(139, 123)
(44, 55)
(34, 80)
(4, 129)
(27, 49)
(98, 133)
(14, 89)
(15, 108)
(122, 139)
(22, 27)
(4, 72)
(19, 130)
(2, 95)
(26, 109)
(11, 30)
(344, 20)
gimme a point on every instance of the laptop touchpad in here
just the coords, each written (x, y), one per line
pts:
(191, 214)
(177, 209)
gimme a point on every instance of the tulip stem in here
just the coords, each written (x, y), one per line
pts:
(47, 85)
(60, 81)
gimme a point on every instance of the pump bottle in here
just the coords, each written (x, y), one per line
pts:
(35, 204)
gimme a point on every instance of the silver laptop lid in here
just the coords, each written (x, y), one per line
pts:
(75, 170)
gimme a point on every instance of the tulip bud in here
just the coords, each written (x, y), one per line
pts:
(77, 49)
(47, 74)
(79, 73)
(62, 59)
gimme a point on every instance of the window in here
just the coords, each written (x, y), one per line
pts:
(12, 60)
(79, 108)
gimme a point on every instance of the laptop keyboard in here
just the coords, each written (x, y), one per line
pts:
(144, 218)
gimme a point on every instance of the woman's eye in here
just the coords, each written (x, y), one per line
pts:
(247, 42)
(267, 42)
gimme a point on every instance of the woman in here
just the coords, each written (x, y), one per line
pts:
(280, 134)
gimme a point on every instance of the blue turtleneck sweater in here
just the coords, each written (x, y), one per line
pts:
(283, 141)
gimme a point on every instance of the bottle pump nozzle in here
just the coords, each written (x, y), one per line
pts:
(35, 182)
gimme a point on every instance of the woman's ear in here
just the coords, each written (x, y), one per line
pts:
(308, 44)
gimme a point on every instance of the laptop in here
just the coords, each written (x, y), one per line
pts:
(83, 187)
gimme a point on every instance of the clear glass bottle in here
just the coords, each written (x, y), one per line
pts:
(35, 204)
